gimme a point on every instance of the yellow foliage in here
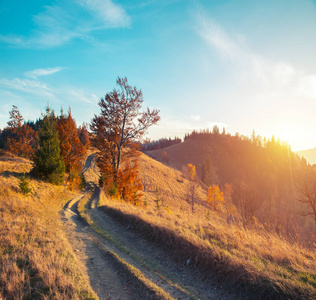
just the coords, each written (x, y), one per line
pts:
(215, 196)
(191, 172)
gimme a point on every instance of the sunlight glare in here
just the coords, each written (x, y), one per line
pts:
(288, 133)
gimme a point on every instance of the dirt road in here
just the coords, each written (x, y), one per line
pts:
(122, 265)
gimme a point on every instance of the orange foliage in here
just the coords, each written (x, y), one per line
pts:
(118, 131)
(71, 149)
(129, 185)
(215, 196)
(23, 138)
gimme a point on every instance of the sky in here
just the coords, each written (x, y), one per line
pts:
(240, 64)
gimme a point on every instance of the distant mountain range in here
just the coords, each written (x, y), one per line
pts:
(310, 155)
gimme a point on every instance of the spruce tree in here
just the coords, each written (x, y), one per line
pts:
(48, 162)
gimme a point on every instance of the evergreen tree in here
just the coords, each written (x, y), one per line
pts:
(48, 163)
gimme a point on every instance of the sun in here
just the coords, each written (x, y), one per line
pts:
(288, 133)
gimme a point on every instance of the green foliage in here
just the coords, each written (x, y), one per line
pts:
(101, 180)
(83, 182)
(48, 163)
(112, 190)
(24, 185)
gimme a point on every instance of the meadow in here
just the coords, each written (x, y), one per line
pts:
(36, 259)
(246, 257)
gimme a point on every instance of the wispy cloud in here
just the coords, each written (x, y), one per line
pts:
(60, 23)
(42, 72)
(250, 67)
(37, 87)
(109, 13)
(82, 96)
(28, 86)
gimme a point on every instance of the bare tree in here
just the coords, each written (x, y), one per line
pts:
(307, 191)
(190, 173)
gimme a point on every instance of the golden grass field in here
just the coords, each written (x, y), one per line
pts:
(36, 260)
(253, 253)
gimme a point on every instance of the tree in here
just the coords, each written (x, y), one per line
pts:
(117, 130)
(215, 196)
(84, 136)
(190, 174)
(48, 163)
(307, 191)
(247, 200)
(71, 149)
(208, 175)
(165, 157)
(22, 138)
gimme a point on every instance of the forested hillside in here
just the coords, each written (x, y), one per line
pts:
(263, 178)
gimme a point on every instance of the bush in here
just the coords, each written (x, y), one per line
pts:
(24, 185)
(83, 182)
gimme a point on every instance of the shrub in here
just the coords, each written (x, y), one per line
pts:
(24, 185)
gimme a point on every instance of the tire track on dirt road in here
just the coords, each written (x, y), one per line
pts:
(121, 264)
(103, 276)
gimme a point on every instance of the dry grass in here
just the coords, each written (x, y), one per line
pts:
(36, 260)
(252, 258)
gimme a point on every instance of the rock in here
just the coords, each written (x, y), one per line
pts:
(187, 262)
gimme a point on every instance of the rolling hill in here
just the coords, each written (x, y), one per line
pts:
(309, 155)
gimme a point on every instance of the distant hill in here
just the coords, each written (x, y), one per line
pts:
(309, 155)
(261, 177)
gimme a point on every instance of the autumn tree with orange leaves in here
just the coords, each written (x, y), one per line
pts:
(215, 196)
(71, 149)
(22, 138)
(116, 134)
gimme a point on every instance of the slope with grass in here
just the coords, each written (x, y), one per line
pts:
(36, 259)
(260, 264)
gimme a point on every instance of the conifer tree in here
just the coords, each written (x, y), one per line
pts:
(48, 162)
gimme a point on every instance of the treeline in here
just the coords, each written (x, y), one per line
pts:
(160, 144)
(54, 143)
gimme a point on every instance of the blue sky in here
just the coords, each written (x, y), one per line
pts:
(239, 64)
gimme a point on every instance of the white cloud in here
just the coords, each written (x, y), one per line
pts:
(80, 95)
(307, 86)
(107, 12)
(42, 72)
(28, 86)
(195, 117)
(60, 23)
(277, 78)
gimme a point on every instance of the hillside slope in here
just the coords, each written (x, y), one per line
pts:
(36, 260)
(264, 179)
(257, 262)
(309, 155)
